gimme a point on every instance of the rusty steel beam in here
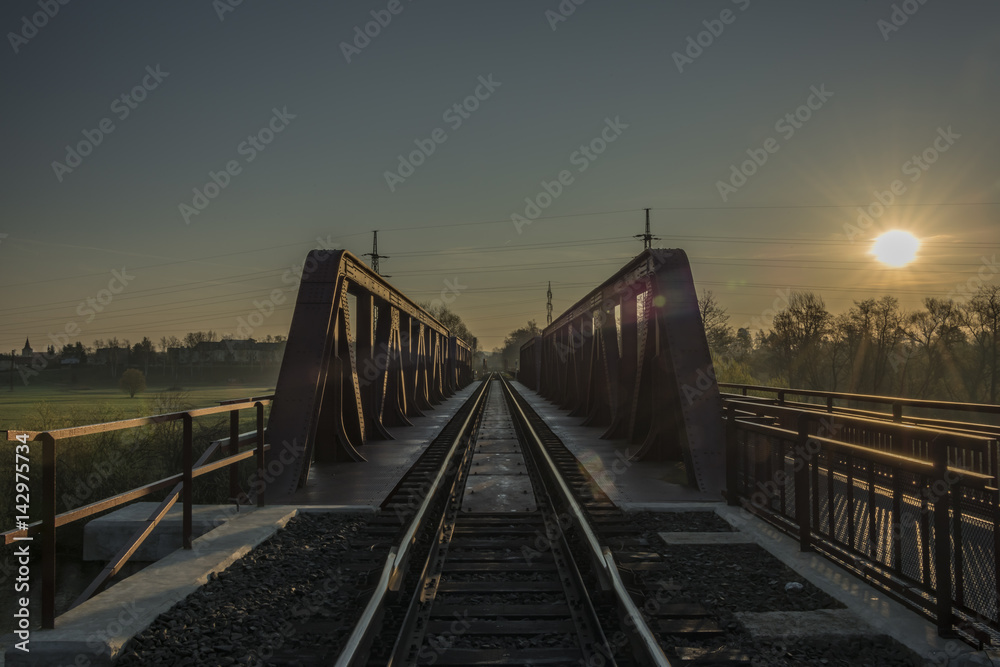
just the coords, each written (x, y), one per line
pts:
(631, 357)
(346, 376)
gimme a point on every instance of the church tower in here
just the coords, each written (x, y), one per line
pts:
(27, 351)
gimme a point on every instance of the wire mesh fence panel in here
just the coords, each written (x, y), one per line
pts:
(873, 504)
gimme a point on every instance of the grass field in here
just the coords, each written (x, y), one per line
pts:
(29, 407)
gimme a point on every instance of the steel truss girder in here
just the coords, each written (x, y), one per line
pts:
(333, 393)
(632, 356)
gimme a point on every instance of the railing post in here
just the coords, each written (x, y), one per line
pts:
(732, 458)
(261, 463)
(234, 448)
(48, 531)
(187, 492)
(897, 412)
(942, 540)
(801, 472)
(829, 403)
(781, 397)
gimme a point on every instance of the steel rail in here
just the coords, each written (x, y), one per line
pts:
(396, 562)
(600, 554)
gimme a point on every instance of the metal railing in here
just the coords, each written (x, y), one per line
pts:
(917, 513)
(181, 485)
(838, 402)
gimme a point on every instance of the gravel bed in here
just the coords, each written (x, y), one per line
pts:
(851, 652)
(737, 577)
(746, 578)
(288, 592)
(680, 522)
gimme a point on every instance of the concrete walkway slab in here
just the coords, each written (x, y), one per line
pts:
(791, 625)
(105, 536)
(369, 482)
(625, 482)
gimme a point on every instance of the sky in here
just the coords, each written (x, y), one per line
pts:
(167, 166)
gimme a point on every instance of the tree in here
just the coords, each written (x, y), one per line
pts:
(132, 382)
(191, 339)
(982, 314)
(451, 320)
(797, 333)
(717, 330)
(507, 356)
(143, 351)
(934, 333)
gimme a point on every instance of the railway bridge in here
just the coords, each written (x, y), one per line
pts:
(611, 504)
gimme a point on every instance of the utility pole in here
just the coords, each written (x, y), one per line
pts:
(12, 370)
(548, 307)
(647, 238)
(374, 254)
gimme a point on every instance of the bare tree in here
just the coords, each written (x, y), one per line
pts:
(982, 315)
(719, 334)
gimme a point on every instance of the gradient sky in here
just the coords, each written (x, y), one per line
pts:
(448, 225)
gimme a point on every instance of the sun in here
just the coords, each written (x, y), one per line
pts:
(896, 248)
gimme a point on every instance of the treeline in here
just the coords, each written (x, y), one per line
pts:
(946, 350)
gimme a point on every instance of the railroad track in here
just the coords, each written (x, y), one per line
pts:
(500, 563)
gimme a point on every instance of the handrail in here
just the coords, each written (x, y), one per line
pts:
(954, 438)
(122, 424)
(182, 482)
(987, 408)
(601, 554)
(907, 463)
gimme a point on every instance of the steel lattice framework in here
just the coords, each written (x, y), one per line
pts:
(344, 376)
(632, 356)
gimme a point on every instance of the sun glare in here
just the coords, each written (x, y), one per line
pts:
(896, 248)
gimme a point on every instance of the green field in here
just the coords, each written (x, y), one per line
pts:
(37, 406)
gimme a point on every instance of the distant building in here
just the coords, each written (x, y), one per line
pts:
(109, 356)
(240, 352)
(27, 351)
